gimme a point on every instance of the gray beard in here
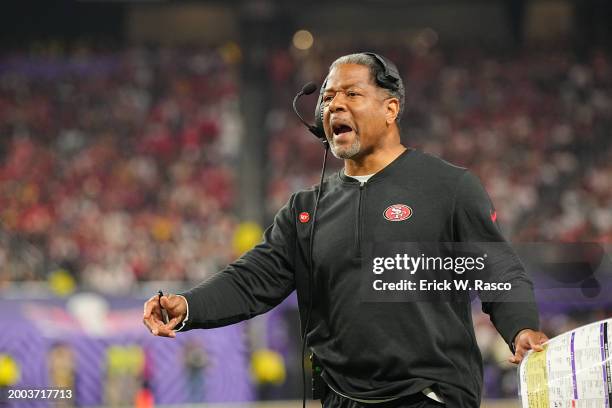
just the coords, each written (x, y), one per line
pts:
(346, 152)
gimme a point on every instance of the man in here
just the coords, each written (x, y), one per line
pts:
(396, 354)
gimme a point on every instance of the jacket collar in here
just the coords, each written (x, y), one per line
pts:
(385, 172)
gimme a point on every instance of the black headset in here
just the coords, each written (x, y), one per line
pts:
(389, 78)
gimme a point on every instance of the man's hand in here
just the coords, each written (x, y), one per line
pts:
(525, 340)
(176, 306)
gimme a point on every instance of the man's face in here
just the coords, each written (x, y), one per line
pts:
(356, 111)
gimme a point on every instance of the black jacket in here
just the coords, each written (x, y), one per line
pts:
(373, 349)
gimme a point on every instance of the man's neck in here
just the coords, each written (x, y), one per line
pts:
(373, 162)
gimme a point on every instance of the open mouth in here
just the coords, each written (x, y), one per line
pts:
(341, 129)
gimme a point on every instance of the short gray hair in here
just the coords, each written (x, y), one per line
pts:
(391, 81)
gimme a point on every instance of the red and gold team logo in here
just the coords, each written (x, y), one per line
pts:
(397, 212)
(304, 217)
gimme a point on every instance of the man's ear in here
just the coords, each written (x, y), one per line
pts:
(392, 110)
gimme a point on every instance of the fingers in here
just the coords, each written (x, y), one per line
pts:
(173, 323)
(152, 319)
(537, 340)
(150, 306)
(176, 306)
(517, 357)
(168, 302)
(543, 339)
(153, 324)
(535, 344)
(164, 331)
(530, 340)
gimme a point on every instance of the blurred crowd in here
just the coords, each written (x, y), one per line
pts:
(122, 167)
(117, 168)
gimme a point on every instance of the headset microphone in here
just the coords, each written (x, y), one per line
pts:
(307, 89)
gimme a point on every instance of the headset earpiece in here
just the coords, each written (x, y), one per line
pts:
(390, 77)
(318, 116)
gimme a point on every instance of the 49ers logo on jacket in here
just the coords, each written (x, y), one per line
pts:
(397, 212)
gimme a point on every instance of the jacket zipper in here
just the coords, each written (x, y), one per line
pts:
(359, 217)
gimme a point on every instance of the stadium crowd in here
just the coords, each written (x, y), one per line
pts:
(118, 167)
(121, 167)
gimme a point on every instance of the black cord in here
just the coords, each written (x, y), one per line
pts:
(310, 274)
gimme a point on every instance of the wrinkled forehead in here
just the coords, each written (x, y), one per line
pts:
(343, 76)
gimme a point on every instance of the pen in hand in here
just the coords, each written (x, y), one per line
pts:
(164, 313)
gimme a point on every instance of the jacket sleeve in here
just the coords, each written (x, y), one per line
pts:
(251, 285)
(474, 220)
